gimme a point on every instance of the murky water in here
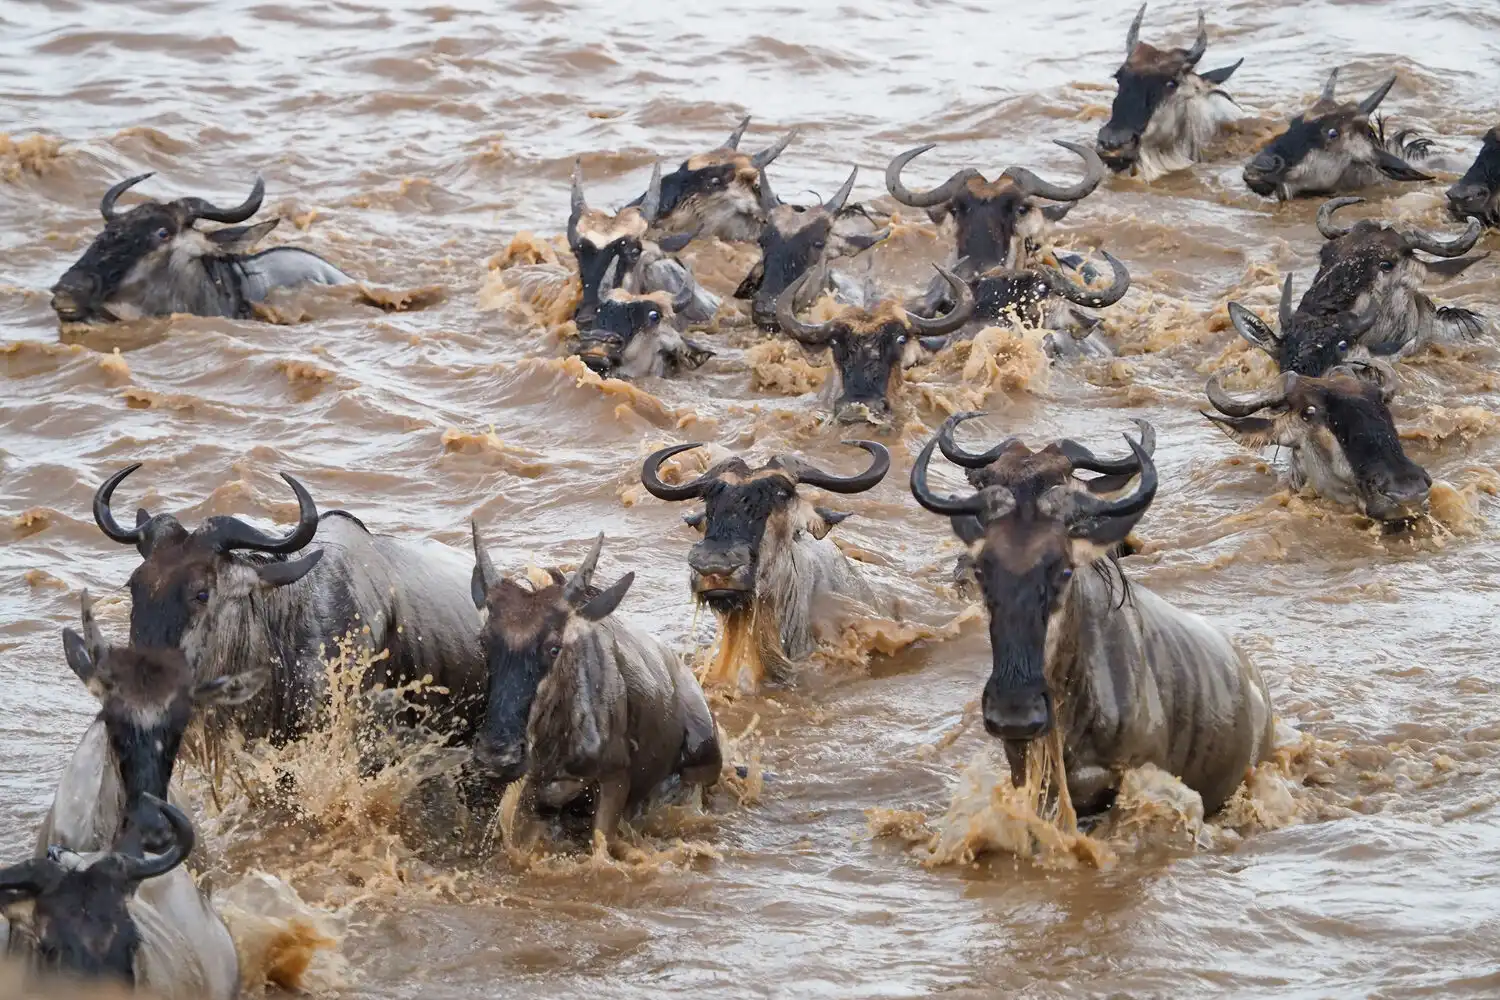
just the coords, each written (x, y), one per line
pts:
(410, 144)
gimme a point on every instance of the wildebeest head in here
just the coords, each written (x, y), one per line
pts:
(1038, 296)
(717, 193)
(1039, 525)
(1310, 341)
(996, 220)
(187, 581)
(147, 697)
(750, 516)
(1163, 111)
(635, 335)
(795, 240)
(145, 261)
(869, 346)
(80, 919)
(1477, 193)
(1331, 148)
(532, 635)
(1341, 428)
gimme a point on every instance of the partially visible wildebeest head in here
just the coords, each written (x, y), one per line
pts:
(797, 239)
(1042, 297)
(717, 193)
(1164, 112)
(147, 697)
(532, 637)
(636, 335)
(191, 585)
(750, 516)
(1339, 427)
(995, 221)
(1477, 193)
(1331, 148)
(870, 346)
(1039, 524)
(1310, 341)
(80, 916)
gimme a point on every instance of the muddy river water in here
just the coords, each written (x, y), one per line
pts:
(411, 143)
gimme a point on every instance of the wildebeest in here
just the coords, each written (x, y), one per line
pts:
(1311, 340)
(797, 239)
(717, 193)
(1477, 193)
(1332, 148)
(764, 559)
(580, 699)
(1043, 297)
(871, 347)
(116, 915)
(1341, 434)
(636, 335)
(612, 251)
(233, 597)
(1164, 112)
(151, 260)
(1129, 679)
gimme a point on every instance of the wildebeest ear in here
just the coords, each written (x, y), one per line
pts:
(695, 520)
(752, 281)
(1055, 213)
(828, 519)
(672, 244)
(76, 651)
(695, 354)
(1451, 266)
(1398, 169)
(934, 344)
(1252, 432)
(241, 239)
(1254, 329)
(968, 529)
(279, 574)
(1221, 74)
(236, 689)
(477, 590)
(603, 604)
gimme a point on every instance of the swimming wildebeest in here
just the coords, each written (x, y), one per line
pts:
(1341, 434)
(151, 260)
(1043, 297)
(872, 347)
(764, 562)
(612, 251)
(581, 700)
(233, 597)
(717, 193)
(636, 335)
(1129, 679)
(1477, 193)
(1332, 148)
(1164, 112)
(116, 915)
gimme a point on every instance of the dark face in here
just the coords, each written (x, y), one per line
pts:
(1477, 193)
(523, 639)
(170, 589)
(130, 240)
(1316, 343)
(866, 361)
(593, 261)
(714, 194)
(1391, 485)
(737, 507)
(990, 218)
(1143, 87)
(787, 252)
(83, 926)
(616, 325)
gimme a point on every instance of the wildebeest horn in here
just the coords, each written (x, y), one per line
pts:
(733, 142)
(200, 209)
(1031, 184)
(812, 334)
(93, 638)
(232, 533)
(1328, 88)
(27, 880)
(880, 464)
(1083, 458)
(1284, 307)
(949, 506)
(577, 205)
(485, 576)
(1083, 296)
(765, 157)
(106, 518)
(768, 199)
(1086, 515)
(576, 589)
(107, 203)
(1326, 225)
(835, 205)
(140, 869)
(1200, 44)
(1242, 406)
(958, 456)
(651, 475)
(963, 308)
(1134, 34)
(651, 203)
(1455, 247)
(1377, 95)
(923, 199)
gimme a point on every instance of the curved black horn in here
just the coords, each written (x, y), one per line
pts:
(768, 200)
(963, 308)
(484, 566)
(958, 456)
(1330, 229)
(201, 209)
(107, 203)
(577, 587)
(1083, 458)
(835, 205)
(1377, 95)
(923, 199)
(1455, 247)
(949, 506)
(733, 142)
(27, 880)
(1083, 296)
(812, 334)
(140, 869)
(105, 519)
(763, 159)
(651, 203)
(651, 476)
(1243, 406)
(577, 205)
(1031, 184)
(880, 464)
(1284, 307)
(1200, 43)
(232, 533)
(1133, 36)
(1086, 514)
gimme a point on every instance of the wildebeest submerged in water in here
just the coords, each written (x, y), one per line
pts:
(233, 597)
(1332, 148)
(1128, 678)
(1477, 193)
(765, 560)
(581, 700)
(152, 260)
(1339, 428)
(1164, 112)
(636, 335)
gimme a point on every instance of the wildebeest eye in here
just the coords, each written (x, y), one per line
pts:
(1310, 412)
(162, 234)
(1387, 265)
(901, 340)
(715, 181)
(1171, 85)
(1332, 133)
(1065, 574)
(652, 316)
(201, 597)
(554, 651)
(1341, 346)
